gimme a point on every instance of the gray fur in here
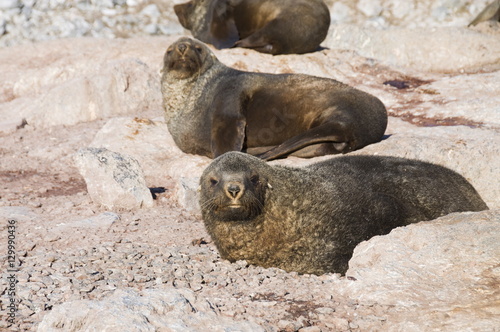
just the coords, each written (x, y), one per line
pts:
(211, 109)
(310, 219)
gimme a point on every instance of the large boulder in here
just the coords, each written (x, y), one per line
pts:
(452, 49)
(113, 180)
(442, 274)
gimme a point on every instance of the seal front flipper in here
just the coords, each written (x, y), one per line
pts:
(223, 34)
(228, 129)
(223, 30)
(337, 138)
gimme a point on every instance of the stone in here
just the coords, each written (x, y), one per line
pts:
(17, 213)
(188, 194)
(79, 86)
(103, 221)
(370, 7)
(164, 164)
(9, 4)
(118, 88)
(439, 273)
(3, 23)
(453, 50)
(148, 310)
(113, 180)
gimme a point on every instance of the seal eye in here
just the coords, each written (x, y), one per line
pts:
(254, 179)
(199, 49)
(213, 181)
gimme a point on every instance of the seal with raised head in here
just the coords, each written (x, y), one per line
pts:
(211, 109)
(310, 219)
(268, 26)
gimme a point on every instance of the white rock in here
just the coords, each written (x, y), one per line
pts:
(340, 12)
(151, 29)
(369, 7)
(99, 223)
(424, 49)
(120, 87)
(113, 180)
(151, 11)
(149, 310)
(188, 195)
(440, 274)
(164, 164)
(9, 4)
(103, 220)
(3, 24)
(17, 213)
(132, 3)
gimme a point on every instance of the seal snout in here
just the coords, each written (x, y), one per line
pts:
(234, 190)
(181, 48)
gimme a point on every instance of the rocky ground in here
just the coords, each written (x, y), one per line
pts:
(84, 264)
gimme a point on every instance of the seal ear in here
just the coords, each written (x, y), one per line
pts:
(228, 127)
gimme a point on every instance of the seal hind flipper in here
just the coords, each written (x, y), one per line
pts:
(337, 135)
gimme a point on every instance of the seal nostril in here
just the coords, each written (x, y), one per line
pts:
(182, 48)
(233, 189)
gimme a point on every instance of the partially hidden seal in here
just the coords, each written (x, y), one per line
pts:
(211, 109)
(310, 219)
(268, 26)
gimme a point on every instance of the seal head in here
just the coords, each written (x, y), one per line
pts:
(235, 193)
(186, 58)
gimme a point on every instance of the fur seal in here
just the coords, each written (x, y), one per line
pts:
(268, 26)
(211, 109)
(310, 219)
(490, 13)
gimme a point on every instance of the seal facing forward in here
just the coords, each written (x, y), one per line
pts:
(310, 219)
(268, 26)
(211, 109)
